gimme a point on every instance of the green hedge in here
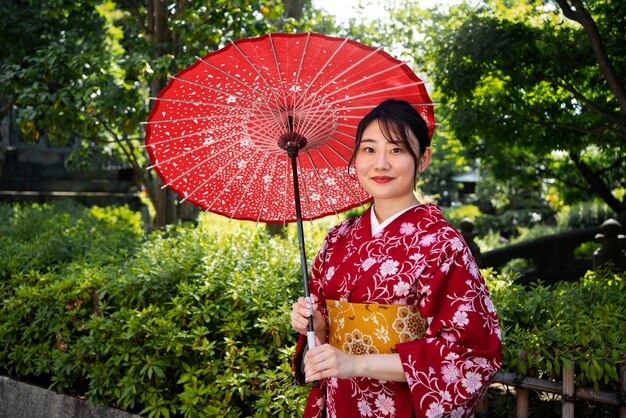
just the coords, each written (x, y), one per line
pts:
(193, 321)
(579, 324)
(39, 237)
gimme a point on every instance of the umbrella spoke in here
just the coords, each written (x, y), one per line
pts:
(195, 167)
(300, 65)
(340, 177)
(324, 188)
(206, 144)
(216, 90)
(237, 79)
(349, 68)
(188, 195)
(195, 119)
(324, 66)
(256, 69)
(183, 136)
(267, 189)
(248, 85)
(280, 76)
(373, 93)
(249, 184)
(212, 104)
(225, 186)
(368, 77)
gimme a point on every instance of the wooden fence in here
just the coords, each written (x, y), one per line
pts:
(566, 389)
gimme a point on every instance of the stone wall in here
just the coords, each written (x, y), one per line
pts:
(20, 400)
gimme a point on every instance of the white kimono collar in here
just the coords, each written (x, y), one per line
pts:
(377, 227)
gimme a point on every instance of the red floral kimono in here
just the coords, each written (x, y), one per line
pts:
(418, 259)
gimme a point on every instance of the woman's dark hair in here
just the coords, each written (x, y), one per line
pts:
(400, 123)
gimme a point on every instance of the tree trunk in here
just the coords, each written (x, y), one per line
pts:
(597, 184)
(294, 8)
(580, 15)
(158, 34)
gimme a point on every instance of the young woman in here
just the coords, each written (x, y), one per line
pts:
(404, 322)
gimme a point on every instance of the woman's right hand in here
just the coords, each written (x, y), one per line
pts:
(300, 318)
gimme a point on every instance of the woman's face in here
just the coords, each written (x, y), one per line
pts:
(385, 170)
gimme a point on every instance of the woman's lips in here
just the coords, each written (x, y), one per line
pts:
(382, 179)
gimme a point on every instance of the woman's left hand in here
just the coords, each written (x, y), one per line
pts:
(325, 360)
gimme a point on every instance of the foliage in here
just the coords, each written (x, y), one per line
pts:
(83, 71)
(193, 323)
(533, 108)
(578, 324)
(584, 214)
(41, 237)
(456, 214)
(195, 320)
(535, 102)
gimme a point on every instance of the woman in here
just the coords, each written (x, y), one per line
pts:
(404, 323)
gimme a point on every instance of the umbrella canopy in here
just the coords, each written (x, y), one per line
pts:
(219, 132)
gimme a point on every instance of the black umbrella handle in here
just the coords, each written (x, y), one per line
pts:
(310, 335)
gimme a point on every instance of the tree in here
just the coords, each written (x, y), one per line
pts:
(84, 70)
(535, 95)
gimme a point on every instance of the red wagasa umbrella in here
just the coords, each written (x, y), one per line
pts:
(263, 129)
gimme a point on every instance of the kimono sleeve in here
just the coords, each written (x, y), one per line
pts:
(450, 368)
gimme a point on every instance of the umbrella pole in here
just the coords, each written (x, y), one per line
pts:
(292, 152)
(303, 263)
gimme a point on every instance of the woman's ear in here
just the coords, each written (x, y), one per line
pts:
(424, 160)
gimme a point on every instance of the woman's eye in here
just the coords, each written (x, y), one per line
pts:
(368, 150)
(396, 150)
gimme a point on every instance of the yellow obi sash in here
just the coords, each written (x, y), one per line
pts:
(366, 328)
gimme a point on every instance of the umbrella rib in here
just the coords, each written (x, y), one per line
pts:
(371, 93)
(196, 118)
(280, 76)
(204, 86)
(249, 184)
(319, 73)
(240, 81)
(370, 76)
(198, 103)
(193, 150)
(267, 189)
(311, 122)
(213, 174)
(326, 193)
(210, 157)
(343, 144)
(342, 179)
(309, 119)
(350, 68)
(204, 131)
(225, 186)
(304, 49)
(256, 69)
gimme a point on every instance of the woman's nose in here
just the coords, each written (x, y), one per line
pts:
(382, 163)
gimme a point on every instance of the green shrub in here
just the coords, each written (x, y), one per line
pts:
(40, 237)
(584, 215)
(193, 323)
(456, 214)
(578, 323)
